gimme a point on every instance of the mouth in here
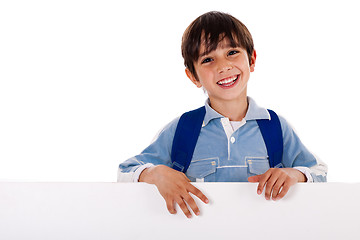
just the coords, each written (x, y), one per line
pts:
(228, 82)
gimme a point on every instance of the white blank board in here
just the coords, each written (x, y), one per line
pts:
(137, 211)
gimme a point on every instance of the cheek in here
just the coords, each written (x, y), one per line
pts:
(205, 74)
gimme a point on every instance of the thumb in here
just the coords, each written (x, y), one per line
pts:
(254, 178)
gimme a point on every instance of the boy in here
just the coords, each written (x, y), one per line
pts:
(219, 55)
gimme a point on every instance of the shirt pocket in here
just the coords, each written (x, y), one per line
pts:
(257, 165)
(203, 170)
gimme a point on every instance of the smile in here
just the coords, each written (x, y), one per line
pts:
(228, 82)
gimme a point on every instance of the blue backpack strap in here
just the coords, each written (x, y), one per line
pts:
(272, 135)
(185, 138)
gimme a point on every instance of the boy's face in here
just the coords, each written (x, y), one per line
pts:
(224, 72)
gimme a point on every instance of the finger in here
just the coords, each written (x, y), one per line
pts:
(190, 201)
(183, 207)
(262, 181)
(198, 194)
(277, 187)
(254, 178)
(170, 206)
(283, 192)
(269, 186)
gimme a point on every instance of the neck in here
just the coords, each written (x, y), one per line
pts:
(235, 109)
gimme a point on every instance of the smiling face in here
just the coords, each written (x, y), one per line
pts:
(223, 72)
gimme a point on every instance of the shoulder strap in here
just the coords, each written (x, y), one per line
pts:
(272, 135)
(185, 138)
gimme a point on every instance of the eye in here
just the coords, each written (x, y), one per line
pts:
(233, 52)
(206, 60)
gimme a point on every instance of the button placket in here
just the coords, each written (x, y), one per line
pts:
(228, 131)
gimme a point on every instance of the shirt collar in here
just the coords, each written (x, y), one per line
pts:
(254, 112)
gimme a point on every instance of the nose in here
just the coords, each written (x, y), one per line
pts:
(224, 66)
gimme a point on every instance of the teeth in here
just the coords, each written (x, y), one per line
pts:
(228, 80)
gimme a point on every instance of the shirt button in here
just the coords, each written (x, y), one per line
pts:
(232, 139)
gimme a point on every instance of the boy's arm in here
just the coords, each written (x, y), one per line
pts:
(153, 166)
(300, 166)
(157, 153)
(297, 156)
(316, 173)
(132, 176)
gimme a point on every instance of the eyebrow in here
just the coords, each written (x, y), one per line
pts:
(205, 52)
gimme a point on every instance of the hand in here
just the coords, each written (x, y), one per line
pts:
(173, 186)
(277, 179)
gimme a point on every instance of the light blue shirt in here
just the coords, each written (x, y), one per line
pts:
(224, 155)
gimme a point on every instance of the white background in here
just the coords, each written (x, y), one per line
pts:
(84, 85)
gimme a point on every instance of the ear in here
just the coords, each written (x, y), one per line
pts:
(253, 60)
(192, 78)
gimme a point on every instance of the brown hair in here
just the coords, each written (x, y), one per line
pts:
(210, 28)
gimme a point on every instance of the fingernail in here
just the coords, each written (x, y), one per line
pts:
(258, 192)
(207, 201)
(197, 213)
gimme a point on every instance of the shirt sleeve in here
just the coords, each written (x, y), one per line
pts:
(157, 153)
(297, 156)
